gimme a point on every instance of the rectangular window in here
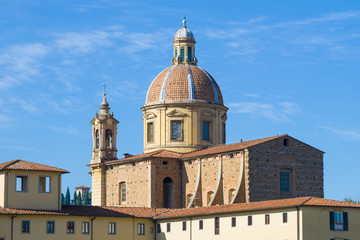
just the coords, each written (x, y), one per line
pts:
(151, 230)
(21, 183)
(141, 228)
(285, 217)
(25, 227)
(201, 224)
(150, 132)
(168, 227)
(112, 227)
(85, 227)
(176, 54)
(70, 228)
(158, 228)
(44, 184)
(339, 221)
(206, 131)
(267, 219)
(182, 53)
(249, 220)
(50, 227)
(184, 226)
(217, 225)
(189, 57)
(176, 130)
(285, 176)
(233, 222)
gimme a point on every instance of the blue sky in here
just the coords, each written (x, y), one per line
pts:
(283, 67)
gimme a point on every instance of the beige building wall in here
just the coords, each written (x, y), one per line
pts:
(126, 228)
(191, 115)
(258, 231)
(34, 198)
(2, 189)
(316, 224)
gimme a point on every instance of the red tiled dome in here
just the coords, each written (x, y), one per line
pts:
(184, 83)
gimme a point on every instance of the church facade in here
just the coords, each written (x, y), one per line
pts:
(186, 162)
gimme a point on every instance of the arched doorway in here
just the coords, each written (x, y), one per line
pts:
(168, 193)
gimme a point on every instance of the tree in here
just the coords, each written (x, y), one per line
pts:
(62, 199)
(86, 200)
(78, 199)
(74, 199)
(67, 197)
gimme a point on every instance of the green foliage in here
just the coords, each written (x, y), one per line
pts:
(74, 198)
(86, 200)
(62, 199)
(67, 197)
(78, 199)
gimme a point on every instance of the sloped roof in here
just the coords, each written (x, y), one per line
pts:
(93, 211)
(29, 166)
(253, 206)
(230, 147)
(155, 154)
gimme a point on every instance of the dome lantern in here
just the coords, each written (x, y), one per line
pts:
(184, 46)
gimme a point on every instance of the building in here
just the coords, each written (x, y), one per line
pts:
(188, 184)
(83, 190)
(186, 162)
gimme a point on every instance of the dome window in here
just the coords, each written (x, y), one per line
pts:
(176, 130)
(150, 132)
(182, 54)
(189, 55)
(206, 130)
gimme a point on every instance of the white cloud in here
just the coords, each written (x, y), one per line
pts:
(82, 42)
(26, 105)
(352, 134)
(276, 112)
(66, 130)
(21, 62)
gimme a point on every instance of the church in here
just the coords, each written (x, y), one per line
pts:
(187, 184)
(186, 162)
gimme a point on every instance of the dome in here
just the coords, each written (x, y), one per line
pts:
(184, 32)
(184, 83)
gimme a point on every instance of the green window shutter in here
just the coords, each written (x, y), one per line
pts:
(346, 222)
(332, 227)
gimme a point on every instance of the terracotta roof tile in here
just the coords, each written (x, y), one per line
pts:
(89, 211)
(174, 81)
(29, 166)
(157, 154)
(240, 207)
(230, 147)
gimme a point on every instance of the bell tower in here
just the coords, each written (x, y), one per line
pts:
(104, 131)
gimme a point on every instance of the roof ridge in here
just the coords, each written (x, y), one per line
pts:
(11, 163)
(304, 203)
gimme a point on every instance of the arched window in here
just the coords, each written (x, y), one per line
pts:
(168, 193)
(231, 194)
(122, 192)
(97, 139)
(108, 138)
(182, 54)
(209, 197)
(189, 55)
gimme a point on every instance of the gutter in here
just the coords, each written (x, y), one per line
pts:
(12, 227)
(92, 226)
(298, 223)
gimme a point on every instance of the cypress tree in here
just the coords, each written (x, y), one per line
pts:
(67, 197)
(74, 199)
(78, 199)
(86, 200)
(62, 199)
